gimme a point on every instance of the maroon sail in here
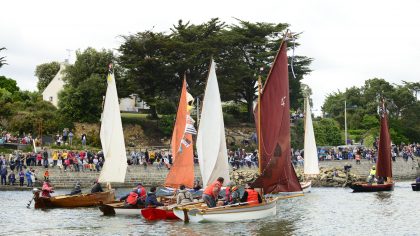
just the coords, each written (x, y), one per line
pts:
(384, 164)
(277, 172)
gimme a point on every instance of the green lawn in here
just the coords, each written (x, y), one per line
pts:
(134, 115)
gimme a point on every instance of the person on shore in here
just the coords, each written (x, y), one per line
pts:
(46, 175)
(47, 189)
(71, 138)
(29, 178)
(12, 178)
(151, 199)
(3, 174)
(96, 188)
(211, 192)
(45, 158)
(251, 196)
(184, 196)
(77, 189)
(21, 178)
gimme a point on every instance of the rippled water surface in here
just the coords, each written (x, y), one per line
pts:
(324, 211)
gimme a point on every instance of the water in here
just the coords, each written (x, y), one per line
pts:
(324, 211)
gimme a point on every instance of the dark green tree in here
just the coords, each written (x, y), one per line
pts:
(8, 84)
(45, 73)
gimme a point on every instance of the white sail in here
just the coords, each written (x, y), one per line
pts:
(112, 137)
(310, 151)
(211, 142)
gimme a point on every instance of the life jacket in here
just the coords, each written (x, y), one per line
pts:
(209, 189)
(142, 193)
(46, 190)
(228, 194)
(252, 196)
(132, 198)
(372, 172)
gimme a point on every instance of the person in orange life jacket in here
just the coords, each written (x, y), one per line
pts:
(232, 194)
(151, 199)
(211, 192)
(251, 196)
(47, 189)
(135, 197)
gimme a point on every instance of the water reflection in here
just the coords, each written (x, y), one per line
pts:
(384, 196)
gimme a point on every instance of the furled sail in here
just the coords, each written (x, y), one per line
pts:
(182, 171)
(277, 172)
(112, 137)
(211, 141)
(310, 166)
(384, 164)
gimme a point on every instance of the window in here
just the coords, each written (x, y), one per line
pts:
(51, 99)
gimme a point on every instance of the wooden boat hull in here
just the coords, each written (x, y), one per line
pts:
(306, 186)
(227, 214)
(415, 186)
(72, 201)
(158, 214)
(119, 208)
(366, 187)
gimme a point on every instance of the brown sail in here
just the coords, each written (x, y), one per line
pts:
(277, 172)
(384, 163)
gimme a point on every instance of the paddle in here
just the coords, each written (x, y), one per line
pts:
(30, 202)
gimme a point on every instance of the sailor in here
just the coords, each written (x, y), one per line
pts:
(184, 196)
(47, 189)
(96, 187)
(372, 174)
(151, 199)
(251, 196)
(233, 196)
(211, 193)
(136, 197)
(77, 189)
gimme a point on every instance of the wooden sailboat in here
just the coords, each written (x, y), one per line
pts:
(384, 162)
(310, 166)
(277, 173)
(113, 147)
(182, 171)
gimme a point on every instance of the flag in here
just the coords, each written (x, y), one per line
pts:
(189, 128)
(186, 142)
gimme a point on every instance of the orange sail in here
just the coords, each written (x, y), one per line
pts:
(182, 171)
(273, 123)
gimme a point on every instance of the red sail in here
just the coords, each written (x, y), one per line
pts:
(277, 172)
(384, 164)
(182, 171)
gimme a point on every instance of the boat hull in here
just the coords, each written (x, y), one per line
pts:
(227, 214)
(415, 186)
(158, 214)
(306, 186)
(366, 187)
(119, 208)
(72, 201)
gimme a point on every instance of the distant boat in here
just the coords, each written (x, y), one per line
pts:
(415, 186)
(277, 173)
(310, 166)
(384, 162)
(113, 147)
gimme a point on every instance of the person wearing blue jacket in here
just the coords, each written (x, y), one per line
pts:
(151, 199)
(29, 178)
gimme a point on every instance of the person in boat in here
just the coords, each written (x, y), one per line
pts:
(77, 189)
(47, 189)
(136, 197)
(211, 192)
(372, 174)
(151, 199)
(184, 196)
(251, 196)
(197, 185)
(418, 179)
(232, 195)
(96, 188)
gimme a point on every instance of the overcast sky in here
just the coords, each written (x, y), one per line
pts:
(350, 41)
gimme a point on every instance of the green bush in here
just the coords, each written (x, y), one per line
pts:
(166, 124)
(166, 108)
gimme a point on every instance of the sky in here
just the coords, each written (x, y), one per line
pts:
(350, 41)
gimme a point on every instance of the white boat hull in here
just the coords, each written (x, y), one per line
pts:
(229, 214)
(127, 212)
(306, 186)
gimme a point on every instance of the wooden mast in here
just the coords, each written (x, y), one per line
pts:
(259, 124)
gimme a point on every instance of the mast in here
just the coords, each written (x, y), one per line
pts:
(259, 124)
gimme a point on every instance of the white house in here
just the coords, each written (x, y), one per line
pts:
(132, 103)
(54, 87)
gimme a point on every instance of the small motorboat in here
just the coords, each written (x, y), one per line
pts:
(415, 186)
(374, 187)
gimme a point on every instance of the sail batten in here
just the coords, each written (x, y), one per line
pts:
(182, 171)
(211, 142)
(112, 137)
(277, 172)
(310, 166)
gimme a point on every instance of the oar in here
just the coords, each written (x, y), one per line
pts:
(30, 202)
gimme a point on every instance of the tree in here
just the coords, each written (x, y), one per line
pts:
(45, 73)
(8, 84)
(327, 132)
(82, 96)
(2, 59)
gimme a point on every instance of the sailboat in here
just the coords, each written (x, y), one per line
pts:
(113, 147)
(384, 162)
(276, 171)
(182, 171)
(310, 165)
